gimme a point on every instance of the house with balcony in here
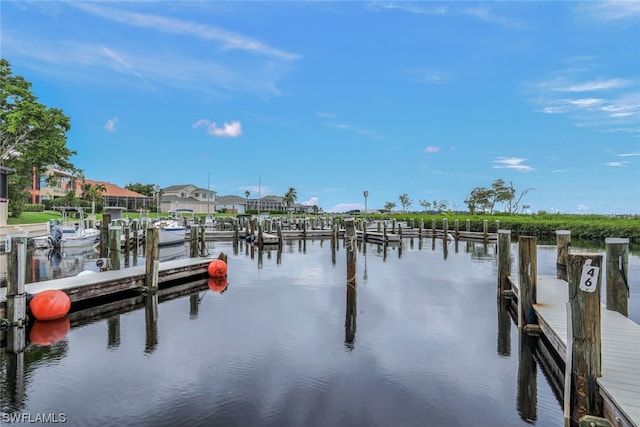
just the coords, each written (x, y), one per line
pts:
(188, 196)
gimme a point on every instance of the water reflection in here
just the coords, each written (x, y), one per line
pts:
(280, 348)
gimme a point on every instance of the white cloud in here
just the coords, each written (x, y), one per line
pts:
(617, 164)
(311, 202)
(110, 126)
(637, 153)
(227, 130)
(594, 85)
(611, 10)
(228, 39)
(511, 163)
(432, 149)
(582, 208)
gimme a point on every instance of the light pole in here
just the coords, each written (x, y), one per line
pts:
(366, 194)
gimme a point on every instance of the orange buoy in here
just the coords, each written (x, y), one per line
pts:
(49, 305)
(47, 332)
(218, 284)
(217, 268)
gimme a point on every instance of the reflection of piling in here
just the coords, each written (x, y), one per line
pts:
(563, 242)
(151, 322)
(617, 270)
(527, 380)
(113, 331)
(350, 316)
(504, 327)
(527, 271)
(586, 362)
(504, 261)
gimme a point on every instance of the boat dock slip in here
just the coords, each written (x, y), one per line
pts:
(620, 380)
(87, 286)
(597, 343)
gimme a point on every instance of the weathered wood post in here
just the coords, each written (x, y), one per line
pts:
(617, 273)
(202, 239)
(563, 243)
(236, 237)
(115, 245)
(136, 240)
(504, 261)
(193, 241)
(127, 245)
(456, 229)
(584, 296)
(260, 238)
(384, 232)
(445, 231)
(16, 295)
(420, 228)
(304, 229)
(104, 235)
(467, 225)
(152, 265)
(485, 230)
(351, 249)
(527, 274)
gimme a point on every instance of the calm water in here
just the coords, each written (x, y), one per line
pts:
(284, 346)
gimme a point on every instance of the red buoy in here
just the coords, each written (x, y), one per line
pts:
(47, 332)
(49, 305)
(217, 268)
(218, 284)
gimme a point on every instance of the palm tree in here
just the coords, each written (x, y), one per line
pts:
(290, 197)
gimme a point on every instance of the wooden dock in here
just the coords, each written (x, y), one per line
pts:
(620, 380)
(598, 344)
(86, 287)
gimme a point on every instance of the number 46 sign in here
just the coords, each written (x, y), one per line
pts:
(589, 277)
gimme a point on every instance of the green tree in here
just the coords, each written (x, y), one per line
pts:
(32, 136)
(144, 189)
(389, 206)
(290, 197)
(478, 200)
(426, 205)
(405, 201)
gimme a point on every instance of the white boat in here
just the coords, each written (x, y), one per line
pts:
(68, 233)
(170, 232)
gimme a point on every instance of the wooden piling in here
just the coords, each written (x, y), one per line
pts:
(617, 273)
(104, 235)
(16, 279)
(433, 228)
(584, 296)
(127, 245)
(445, 231)
(527, 274)
(193, 241)
(115, 247)
(563, 243)
(456, 229)
(350, 243)
(485, 230)
(152, 264)
(504, 261)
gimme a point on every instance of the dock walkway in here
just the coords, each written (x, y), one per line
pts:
(620, 380)
(89, 286)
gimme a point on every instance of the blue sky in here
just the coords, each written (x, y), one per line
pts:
(431, 99)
